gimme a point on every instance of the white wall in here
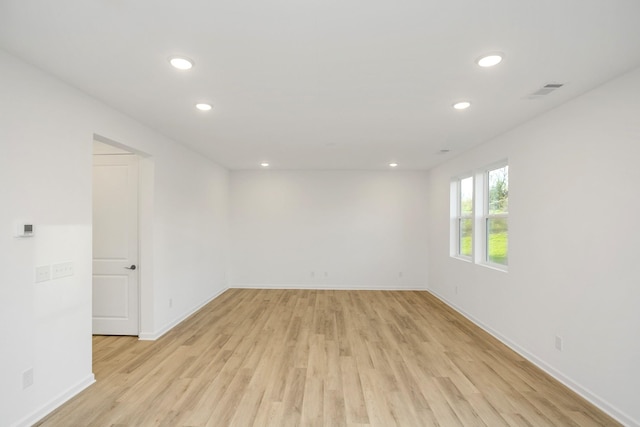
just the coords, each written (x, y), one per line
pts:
(46, 135)
(190, 234)
(329, 229)
(573, 244)
(572, 266)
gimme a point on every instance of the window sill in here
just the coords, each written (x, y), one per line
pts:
(497, 267)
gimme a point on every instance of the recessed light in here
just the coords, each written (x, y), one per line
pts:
(393, 165)
(203, 107)
(181, 63)
(490, 60)
(463, 105)
(264, 164)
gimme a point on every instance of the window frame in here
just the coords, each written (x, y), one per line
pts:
(480, 217)
(458, 217)
(487, 216)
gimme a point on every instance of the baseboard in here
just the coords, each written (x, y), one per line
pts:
(53, 404)
(152, 336)
(573, 385)
(331, 287)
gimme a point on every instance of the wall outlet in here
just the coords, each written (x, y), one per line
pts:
(64, 269)
(326, 274)
(170, 302)
(313, 274)
(43, 273)
(558, 343)
(400, 274)
(27, 378)
(456, 290)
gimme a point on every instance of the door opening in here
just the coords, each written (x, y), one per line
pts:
(115, 242)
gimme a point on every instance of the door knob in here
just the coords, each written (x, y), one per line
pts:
(133, 267)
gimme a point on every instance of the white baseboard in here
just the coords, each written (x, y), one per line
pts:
(53, 404)
(331, 287)
(573, 385)
(152, 336)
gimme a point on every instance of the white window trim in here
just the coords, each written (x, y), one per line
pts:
(484, 218)
(456, 217)
(479, 244)
(479, 252)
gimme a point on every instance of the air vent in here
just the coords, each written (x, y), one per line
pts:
(546, 90)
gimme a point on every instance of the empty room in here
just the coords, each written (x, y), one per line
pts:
(355, 213)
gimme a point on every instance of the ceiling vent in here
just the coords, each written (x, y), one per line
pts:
(546, 90)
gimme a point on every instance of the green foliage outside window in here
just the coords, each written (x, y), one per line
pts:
(466, 216)
(497, 227)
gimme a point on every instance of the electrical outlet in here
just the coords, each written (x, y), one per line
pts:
(326, 274)
(170, 302)
(43, 273)
(558, 343)
(27, 378)
(456, 290)
(400, 274)
(64, 269)
(313, 274)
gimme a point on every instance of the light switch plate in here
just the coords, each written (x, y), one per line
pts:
(43, 273)
(63, 269)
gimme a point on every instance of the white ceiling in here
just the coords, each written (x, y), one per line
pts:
(326, 84)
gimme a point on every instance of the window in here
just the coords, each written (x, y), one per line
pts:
(496, 216)
(465, 217)
(479, 213)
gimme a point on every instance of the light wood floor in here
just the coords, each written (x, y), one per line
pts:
(322, 358)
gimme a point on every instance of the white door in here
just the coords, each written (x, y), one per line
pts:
(115, 244)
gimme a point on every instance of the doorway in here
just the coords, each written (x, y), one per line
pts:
(115, 280)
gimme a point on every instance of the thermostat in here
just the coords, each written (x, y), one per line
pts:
(24, 230)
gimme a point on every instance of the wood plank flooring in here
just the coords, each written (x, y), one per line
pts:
(321, 358)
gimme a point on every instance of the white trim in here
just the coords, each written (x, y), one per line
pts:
(53, 404)
(487, 216)
(331, 287)
(152, 336)
(494, 266)
(463, 258)
(455, 238)
(559, 376)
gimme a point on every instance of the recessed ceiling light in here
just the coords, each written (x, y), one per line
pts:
(203, 107)
(264, 164)
(393, 165)
(181, 63)
(490, 60)
(463, 105)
